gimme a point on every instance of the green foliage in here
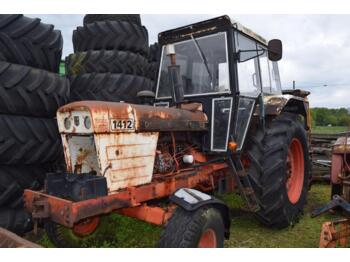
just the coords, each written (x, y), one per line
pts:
(329, 129)
(330, 116)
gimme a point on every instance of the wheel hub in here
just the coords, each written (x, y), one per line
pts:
(295, 170)
(86, 227)
(208, 239)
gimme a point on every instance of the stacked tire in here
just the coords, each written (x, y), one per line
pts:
(30, 93)
(154, 60)
(110, 60)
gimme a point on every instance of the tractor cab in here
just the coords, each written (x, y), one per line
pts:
(223, 66)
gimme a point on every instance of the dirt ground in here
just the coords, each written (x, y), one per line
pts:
(245, 230)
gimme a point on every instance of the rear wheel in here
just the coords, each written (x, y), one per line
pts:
(203, 228)
(279, 170)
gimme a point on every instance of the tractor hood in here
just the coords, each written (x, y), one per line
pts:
(105, 117)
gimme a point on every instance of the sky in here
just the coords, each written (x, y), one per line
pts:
(316, 48)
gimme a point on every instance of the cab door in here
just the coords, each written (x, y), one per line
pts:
(249, 84)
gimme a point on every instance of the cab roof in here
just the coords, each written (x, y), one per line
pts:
(213, 24)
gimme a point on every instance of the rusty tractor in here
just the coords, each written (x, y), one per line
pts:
(337, 232)
(218, 122)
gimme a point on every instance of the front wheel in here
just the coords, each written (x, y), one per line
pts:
(279, 170)
(82, 234)
(203, 228)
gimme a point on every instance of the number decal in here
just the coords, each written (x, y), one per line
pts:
(122, 125)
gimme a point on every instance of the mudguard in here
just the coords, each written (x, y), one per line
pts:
(191, 200)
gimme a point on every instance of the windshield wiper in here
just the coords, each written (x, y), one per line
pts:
(204, 59)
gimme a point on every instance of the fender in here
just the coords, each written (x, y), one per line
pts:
(191, 200)
(294, 102)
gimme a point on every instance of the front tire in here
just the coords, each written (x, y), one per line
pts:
(201, 228)
(279, 170)
(82, 234)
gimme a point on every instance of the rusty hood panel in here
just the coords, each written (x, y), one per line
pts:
(146, 118)
(342, 146)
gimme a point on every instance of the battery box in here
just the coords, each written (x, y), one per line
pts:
(75, 187)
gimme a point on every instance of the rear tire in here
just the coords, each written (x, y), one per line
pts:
(108, 87)
(201, 228)
(154, 53)
(28, 140)
(106, 61)
(31, 92)
(132, 18)
(111, 35)
(27, 41)
(269, 171)
(14, 179)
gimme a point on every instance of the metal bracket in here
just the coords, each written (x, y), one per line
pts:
(337, 201)
(41, 209)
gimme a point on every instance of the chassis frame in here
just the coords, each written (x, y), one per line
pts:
(130, 202)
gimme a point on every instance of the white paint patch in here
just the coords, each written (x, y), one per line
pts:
(126, 159)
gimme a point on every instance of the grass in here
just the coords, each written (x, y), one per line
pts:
(246, 231)
(328, 129)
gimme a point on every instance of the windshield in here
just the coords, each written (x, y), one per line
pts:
(203, 65)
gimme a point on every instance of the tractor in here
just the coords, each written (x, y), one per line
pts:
(336, 233)
(218, 122)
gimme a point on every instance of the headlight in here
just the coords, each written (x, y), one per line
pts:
(87, 122)
(67, 123)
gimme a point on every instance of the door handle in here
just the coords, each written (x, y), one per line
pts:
(225, 110)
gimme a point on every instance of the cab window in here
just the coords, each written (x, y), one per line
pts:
(203, 65)
(247, 66)
(270, 79)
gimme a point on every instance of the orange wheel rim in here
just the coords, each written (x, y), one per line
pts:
(208, 239)
(295, 171)
(86, 227)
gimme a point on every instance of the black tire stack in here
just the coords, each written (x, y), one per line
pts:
(30, 93)
(154, 60)
(110, 60)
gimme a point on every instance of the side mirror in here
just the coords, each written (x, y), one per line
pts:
(275, 49)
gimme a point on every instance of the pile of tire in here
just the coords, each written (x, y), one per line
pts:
(110, 60)
(30, 93)
(154, 60)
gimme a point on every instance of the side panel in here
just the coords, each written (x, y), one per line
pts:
(80, 154)
(126, 159)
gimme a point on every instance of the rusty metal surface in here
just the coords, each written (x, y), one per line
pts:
(11, 240)
(68, 213)
(147, 118)
(153, 215)
(336, 168)
(214, 24)
(342, 145)
(340, 169)
(275, 104)
(296, 92)
(126, 159)
(335, 233)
